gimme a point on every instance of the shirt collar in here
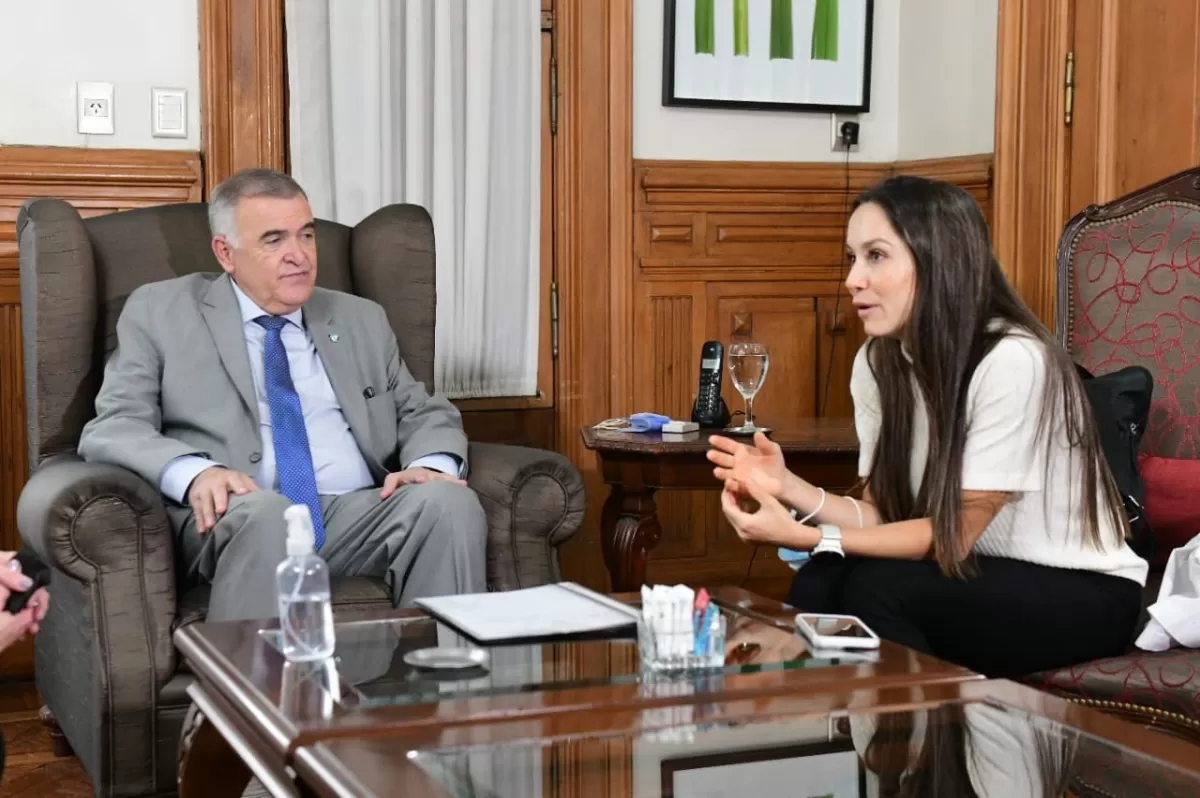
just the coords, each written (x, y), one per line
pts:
(251, 310)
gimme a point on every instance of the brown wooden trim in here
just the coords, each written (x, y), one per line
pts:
(1031, 145)
(594, 239)
(694, 186)
(243, 76)
(93, 180)
(620, 198)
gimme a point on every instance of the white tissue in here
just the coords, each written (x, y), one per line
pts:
(667, 611)
(1175, 617)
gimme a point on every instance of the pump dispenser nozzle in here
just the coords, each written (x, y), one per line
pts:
(300, 534)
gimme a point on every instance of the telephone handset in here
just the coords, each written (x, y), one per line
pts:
(709, 409)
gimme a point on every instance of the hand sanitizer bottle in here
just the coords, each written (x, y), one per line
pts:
(305, 609)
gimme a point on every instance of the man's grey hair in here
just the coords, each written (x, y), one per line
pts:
(246, 184)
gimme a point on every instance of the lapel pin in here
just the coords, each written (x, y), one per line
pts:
(333, 337)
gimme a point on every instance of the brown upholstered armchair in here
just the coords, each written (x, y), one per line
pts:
(106, 666)
(1128, 294)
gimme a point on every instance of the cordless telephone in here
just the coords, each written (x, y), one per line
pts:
(709, 409)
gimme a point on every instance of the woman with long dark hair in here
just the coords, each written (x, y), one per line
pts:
(989, 531)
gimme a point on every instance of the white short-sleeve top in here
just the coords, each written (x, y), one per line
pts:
(1044, 522)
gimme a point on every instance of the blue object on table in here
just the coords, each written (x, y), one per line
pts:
(794, 558)
(647, 422)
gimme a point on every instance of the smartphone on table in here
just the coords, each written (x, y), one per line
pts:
(835, 631)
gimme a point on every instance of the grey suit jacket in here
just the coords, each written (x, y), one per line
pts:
(179, 383)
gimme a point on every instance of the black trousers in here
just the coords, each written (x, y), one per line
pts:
(1009, 619)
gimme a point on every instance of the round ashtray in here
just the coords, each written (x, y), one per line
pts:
(444, 659)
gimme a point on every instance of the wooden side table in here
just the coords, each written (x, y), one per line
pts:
(636, 465)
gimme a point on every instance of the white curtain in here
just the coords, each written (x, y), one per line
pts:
(436, 103)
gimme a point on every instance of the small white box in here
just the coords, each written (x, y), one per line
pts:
(168, 111)
(680, 426)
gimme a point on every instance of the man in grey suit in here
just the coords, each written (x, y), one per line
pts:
(241, 394)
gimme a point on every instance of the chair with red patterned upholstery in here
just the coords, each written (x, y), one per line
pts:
(1129, 294)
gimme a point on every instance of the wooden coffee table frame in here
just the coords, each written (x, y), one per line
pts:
(235, 731)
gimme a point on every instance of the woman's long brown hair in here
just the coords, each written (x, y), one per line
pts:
(960, 290)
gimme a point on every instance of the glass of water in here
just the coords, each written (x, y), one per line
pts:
(748, 363)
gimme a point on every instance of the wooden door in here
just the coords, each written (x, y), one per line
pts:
(1136, 100)
(1094, 98)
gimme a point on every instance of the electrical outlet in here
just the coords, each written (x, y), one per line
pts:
(95, 109)
(836, 142)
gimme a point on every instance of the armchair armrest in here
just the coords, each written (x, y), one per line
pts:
(105, 534)
(534, 501)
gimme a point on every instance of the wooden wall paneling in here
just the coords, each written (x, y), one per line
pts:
(783, 317)
(96, 181)
(243, 76)
(669, 329)
(974, 173)
(1029, 196)
(839, 337)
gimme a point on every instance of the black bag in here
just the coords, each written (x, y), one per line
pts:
(1120, 407)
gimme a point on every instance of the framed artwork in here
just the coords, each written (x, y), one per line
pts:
(812, 770)
(770, 55)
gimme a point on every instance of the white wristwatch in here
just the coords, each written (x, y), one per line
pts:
(831, 540)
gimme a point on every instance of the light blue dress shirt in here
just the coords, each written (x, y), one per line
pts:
(337, 460)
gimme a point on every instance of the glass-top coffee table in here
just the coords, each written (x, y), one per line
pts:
(258, 708)
(990, 739)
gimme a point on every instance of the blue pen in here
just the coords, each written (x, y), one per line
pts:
(701, 648)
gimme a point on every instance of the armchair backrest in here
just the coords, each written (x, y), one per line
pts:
(76, 274)
(1129, 294)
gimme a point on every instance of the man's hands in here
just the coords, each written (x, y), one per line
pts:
(209, 494)
(28, 620)
(414, 476)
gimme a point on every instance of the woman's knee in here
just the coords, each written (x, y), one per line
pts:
(883, 586)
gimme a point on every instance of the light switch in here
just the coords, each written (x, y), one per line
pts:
(95, 110)
(168, 108)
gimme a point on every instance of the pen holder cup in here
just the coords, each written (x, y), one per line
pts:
(664, 652)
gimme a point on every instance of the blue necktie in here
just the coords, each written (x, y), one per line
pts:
(293, 458)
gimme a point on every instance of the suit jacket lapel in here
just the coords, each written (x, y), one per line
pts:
(224, 321)
(336, 351)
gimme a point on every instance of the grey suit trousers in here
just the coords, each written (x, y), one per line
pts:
(424, 540)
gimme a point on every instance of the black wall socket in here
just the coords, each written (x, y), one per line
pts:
(849, 133)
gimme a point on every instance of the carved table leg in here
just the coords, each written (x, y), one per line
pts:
(208, 765)
(629, 531)
(58, 740)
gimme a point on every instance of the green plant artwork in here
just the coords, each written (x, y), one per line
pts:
(781, 29)
(741, 27)
(825, 31)
(706, 29)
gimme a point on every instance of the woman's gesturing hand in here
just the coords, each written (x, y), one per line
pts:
(758, 517)
(735, 462)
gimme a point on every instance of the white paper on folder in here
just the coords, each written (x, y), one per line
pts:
(545, 611)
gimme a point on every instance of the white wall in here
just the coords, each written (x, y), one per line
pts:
(947, 78)
(709, 134)
(49, 45)
(933, 94)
